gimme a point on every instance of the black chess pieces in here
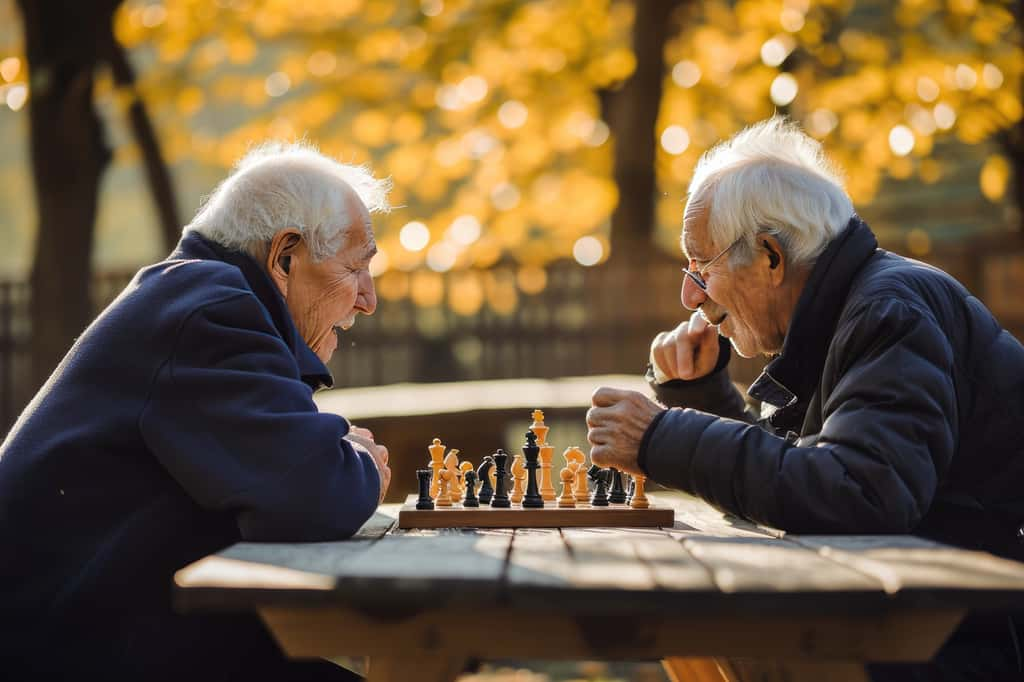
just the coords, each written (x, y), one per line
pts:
(531, 452)
(500, 498)
(632, 490)
(424, 501)
(483, 472)
(600, 496)
(618, 491)
(471, 499)
(596, 473)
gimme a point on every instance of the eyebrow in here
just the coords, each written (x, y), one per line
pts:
(370, 251)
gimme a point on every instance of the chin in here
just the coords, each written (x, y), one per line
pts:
(743, 350)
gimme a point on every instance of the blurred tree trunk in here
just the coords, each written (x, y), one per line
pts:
(1012, 138)
(64, 44)
(632, 113)
(69, 156)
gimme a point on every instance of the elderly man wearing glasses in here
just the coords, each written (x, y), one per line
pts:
(892, 399)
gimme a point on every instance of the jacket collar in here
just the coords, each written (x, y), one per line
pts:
(790, 378)
(311, 368)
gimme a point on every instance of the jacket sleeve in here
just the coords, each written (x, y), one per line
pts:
(889, 431)
(230, 419)
(714, 393)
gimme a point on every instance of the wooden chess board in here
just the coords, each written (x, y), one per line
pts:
(551, 516)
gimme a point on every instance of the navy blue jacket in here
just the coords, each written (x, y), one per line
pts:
(180, 422)
(893, 407)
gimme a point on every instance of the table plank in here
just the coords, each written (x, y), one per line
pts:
(908, 563)
(752, 564)
(695, 516)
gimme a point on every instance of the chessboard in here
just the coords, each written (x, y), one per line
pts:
(523, 495)
(550, 516)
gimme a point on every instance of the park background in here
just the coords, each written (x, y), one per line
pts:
(540, 153)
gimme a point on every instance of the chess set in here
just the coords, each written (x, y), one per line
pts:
(450, 497)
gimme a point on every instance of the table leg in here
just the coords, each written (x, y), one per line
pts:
(440, 668)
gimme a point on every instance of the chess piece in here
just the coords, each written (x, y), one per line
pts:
(618, 492)
(500, 498)
(547, 488)
(518, 479)
(469, 482)
(631, 488)
(576, 455)
(639, 500)
(451, 466)
(444, 487)
(436, 449)
(600, 497)
(531, 452)
(484, 473)
(568, 478)
(464, 467)
(424, 476)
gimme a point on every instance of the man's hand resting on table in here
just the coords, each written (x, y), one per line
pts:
(690, 351)
(616, 425)
(362, 439)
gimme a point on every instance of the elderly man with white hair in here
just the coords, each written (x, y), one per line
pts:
(892, 400)
(181, 422)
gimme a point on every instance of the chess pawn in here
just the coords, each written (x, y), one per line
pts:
(469, 482)
(500, 498)
(531, 452)
(618, 492)
(436, 449)
(484, 473)
(464, 468)
(630, 489)
(424, 501)
(639, 500)
(568, 477)
(518, 479)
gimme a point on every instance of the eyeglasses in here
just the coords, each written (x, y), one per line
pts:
(698, 275)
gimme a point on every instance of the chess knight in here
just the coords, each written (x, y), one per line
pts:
(892, 399)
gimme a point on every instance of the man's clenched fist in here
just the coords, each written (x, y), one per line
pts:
(616, 425)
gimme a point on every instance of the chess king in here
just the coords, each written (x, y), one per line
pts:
(181, 422)
(891, 402)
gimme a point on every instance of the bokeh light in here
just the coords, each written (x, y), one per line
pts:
(442, 256)
(512, 114)
(464, 230)
(901, 140)
(784, 89)
(588, 250)
(945, 116)
(9, 68)
(414, 236)
(277, 84)
(675, 139)
(686, 74)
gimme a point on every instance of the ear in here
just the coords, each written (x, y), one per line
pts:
(279, 255)
(774, 257)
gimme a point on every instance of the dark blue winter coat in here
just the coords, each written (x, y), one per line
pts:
(181, 421)
(895, 406)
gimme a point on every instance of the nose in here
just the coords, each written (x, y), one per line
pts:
(366, 302)
(692, 295)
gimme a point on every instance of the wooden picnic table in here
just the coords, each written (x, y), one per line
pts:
(420, 603)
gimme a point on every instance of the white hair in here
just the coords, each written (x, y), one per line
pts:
(278, 185)
(770, 178)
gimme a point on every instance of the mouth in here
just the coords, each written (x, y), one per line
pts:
(345, 325)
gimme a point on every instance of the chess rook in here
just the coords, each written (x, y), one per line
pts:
(531, 452)
(424, 476)
(639, 500)
(500, 498)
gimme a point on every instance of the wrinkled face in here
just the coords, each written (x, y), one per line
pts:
(328, 295)
(743, 302)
